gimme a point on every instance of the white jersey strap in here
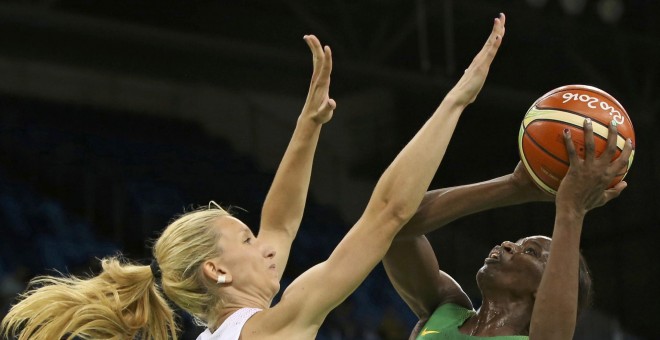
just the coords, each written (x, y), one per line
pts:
(231, 328)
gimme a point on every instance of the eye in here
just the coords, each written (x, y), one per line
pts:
(531, 251)
(248, 240)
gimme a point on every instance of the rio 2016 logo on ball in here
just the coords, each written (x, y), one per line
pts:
(541, 142)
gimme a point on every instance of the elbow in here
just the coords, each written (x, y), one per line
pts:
(399, 212)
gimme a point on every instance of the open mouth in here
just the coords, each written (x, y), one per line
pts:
(494, 256)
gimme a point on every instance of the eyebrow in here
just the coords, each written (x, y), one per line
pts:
(536, 243)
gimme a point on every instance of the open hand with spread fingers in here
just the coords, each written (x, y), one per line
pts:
(585, 186)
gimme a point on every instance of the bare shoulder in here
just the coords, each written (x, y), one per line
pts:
(452, 292)
(276, 323)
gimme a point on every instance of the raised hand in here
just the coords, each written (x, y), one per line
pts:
(585, 185)
(525, 185)
(468, 87)
(319, 106)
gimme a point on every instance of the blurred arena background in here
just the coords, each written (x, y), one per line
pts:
(117, 115)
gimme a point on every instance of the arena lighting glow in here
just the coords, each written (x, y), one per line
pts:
(573, 7)
(610, 11)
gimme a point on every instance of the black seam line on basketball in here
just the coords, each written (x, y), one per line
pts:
(567, 123)
(575, 113)
(545, 150)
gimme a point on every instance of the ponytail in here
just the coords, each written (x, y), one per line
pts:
(123, 302)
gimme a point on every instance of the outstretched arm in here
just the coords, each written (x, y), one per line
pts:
(442, 206)
(584, 188)
(411, 262)
(284, 205)
(394, 201)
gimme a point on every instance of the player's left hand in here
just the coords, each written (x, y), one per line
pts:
(585, 185)
(319, 106)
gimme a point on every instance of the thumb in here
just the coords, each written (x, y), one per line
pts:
(328, 105)
(615, 191)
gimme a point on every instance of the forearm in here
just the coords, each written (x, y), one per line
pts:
(442, 206)
(555, 310)
(411, 172)
(285, 202)
(401, 187)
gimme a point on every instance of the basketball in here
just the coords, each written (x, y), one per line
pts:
(541, 141)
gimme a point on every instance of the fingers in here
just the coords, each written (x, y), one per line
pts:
(498, 27)
(317, 53)
(495, 39)
(570, 148)
(326, 68)
(612, 136)
(314, 45)
(623, 160)
(589, 145)
(322, 57)
(488, 51)
(470, 84)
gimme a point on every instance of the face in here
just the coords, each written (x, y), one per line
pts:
(249, 262)
(515, 267)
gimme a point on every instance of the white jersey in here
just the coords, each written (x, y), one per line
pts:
(231, 328)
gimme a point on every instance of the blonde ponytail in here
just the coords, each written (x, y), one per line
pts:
(122, 302)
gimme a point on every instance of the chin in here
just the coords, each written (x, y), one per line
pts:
(488, 277)
(485, 271)
(276, 287)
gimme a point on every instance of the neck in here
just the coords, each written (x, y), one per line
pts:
(500, 316)
(230, 304)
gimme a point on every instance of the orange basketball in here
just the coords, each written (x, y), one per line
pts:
(541, 141)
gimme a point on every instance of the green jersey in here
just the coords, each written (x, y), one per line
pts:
(446, 320)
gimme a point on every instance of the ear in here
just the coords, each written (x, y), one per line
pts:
(213, 268)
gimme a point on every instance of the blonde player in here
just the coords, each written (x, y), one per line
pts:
(211, 265)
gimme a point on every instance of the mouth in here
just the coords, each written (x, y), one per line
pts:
(494, 256)
(272, 266)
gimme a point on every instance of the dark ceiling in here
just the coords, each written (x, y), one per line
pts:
(422, 42)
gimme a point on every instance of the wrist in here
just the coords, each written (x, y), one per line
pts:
(453, 100)
(524, 191)
(525, 187)
(520, 191)
(568, 211)
(308, 119)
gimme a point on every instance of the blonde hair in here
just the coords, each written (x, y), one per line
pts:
(124, 302)
(180, 251)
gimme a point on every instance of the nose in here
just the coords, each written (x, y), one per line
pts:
(509, 247)
(269, 252)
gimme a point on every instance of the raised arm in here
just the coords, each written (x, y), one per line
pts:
(394, 201)
(411, 263)
(442, 206)
(284, 205)
(584, 188)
